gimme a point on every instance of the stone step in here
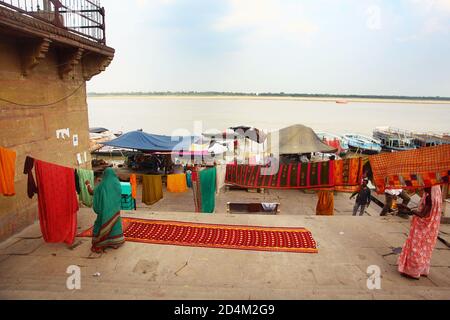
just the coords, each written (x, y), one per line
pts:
(54, 287)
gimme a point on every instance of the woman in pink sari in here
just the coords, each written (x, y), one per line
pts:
(414, 261)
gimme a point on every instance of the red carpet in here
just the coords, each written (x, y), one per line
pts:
(240, 237)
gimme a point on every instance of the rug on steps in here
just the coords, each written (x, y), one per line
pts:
(258, 238)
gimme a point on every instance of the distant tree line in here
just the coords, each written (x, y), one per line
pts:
(266, 94)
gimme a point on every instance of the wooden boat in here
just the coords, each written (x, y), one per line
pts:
(363, 144)
(430, 139)
(397, 139)
(342, 101)
(334, 140)
(394, 139)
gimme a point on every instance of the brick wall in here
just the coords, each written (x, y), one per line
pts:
(32, 130)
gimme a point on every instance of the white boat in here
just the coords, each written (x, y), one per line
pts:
(394, 139)
(362, 143)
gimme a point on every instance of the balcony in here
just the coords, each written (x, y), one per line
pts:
(85, 18)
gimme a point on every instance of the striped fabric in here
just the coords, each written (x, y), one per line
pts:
(286, 176)
(340, 175)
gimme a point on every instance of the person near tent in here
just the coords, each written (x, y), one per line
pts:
(362, 198)
(106, 204)
(390, 195)
(414, 261)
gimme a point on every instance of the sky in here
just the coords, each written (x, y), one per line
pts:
(377, 47)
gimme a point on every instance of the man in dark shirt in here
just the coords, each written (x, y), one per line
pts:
(362, 198)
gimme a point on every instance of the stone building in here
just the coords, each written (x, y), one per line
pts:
(47, 53)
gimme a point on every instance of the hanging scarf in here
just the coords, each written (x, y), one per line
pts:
(57, 200)
(7, 171)
(84, 195)
(208, 189)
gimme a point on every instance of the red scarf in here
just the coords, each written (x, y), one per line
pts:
(58, 204)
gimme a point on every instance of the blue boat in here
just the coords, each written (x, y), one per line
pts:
(363, 144)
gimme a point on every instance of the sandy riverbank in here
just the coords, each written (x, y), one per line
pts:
(319, 99)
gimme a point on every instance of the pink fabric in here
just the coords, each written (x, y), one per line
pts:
(416, 253)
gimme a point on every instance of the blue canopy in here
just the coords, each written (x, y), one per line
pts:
(151, 142)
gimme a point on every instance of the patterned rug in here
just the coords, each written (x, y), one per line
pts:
(288, 176)
(411, 169)
(348, 174)
(283, 239)
(340, 175)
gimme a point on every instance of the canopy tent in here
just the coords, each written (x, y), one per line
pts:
(97, 130)
(232, 133)
(219, 148)
(214, 135)
(140, 140)
(296, 139)
(251, 133)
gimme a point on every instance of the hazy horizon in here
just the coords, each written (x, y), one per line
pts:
(282, 94)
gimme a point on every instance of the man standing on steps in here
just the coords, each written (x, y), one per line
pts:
(362, 198)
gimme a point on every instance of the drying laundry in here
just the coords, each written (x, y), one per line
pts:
(286, 176)
(57, 199)
(151, 189)
(176, 182)
(418, 168)
(82, 175)
(7, 171)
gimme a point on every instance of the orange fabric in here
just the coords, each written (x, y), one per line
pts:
(325, 203)
(411, 169)
(7, 171)
(133, 183)
(348, 174)
(176, 183)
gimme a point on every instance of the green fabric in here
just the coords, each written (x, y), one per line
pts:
(127, 202)
(126, 188)
(208, 189)
(151, 189)
(84, 195)
(107, 199)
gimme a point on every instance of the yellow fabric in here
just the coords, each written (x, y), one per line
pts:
(7, 171)
(151, 189)
(176, 183)
(325, 204)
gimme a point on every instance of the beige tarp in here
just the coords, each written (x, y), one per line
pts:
(296, 139)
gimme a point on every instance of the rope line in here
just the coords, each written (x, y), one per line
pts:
(46, 104)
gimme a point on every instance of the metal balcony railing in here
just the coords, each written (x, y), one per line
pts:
(83, 17)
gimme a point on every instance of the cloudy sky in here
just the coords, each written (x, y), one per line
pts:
(387, 47)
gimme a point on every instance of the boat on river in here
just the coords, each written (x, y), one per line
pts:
(362, 143)
(334, 140)
(430, 139)
(394, 139)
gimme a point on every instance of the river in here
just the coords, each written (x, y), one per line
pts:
(169, 115)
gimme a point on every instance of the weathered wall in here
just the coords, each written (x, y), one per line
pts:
(31, 130)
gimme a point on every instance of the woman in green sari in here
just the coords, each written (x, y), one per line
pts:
(106, 204)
